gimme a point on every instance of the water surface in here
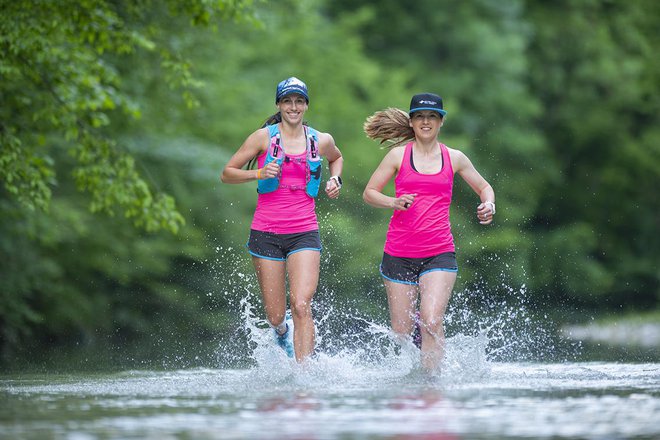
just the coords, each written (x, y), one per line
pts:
(504, 376)
(341, 396)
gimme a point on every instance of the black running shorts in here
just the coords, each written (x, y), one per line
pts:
(408, 270)
(273, 246)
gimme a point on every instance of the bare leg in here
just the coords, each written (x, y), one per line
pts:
(272, 282)
(401, 300)
(435, 291)
(303, 268)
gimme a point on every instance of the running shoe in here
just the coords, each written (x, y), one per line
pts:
(417, 332)
(286, 340)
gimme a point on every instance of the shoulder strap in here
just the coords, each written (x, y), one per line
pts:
(446, 158)
(312, 138)
(407, 160)
(273, 130)
(274, 147)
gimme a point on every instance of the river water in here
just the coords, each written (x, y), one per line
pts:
(506, 374)
(374, 389)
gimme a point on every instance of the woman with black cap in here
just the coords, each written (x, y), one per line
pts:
(419, 257)
(284, 236)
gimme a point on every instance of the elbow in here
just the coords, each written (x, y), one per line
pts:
(365, 196)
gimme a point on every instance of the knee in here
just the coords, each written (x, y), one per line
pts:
(301, 309)
(433, 325)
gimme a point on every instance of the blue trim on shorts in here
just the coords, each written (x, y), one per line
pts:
(263, 256)
(279, 259)
(411, 283)
(442, 269)
(304, 249)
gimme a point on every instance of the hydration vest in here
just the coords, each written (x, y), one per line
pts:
(313, 161)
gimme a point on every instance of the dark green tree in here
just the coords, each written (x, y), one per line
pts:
(61, 81)
(595, 70)
(67, 274)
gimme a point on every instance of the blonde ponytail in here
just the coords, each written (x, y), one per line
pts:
(389, 125)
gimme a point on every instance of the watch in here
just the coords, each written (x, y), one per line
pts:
(492, 206)
(337, 180)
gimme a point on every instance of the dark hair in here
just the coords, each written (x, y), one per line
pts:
(389, 125)
(273, 119)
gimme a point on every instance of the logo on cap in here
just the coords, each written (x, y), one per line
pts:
(291, 85)
(426, 101)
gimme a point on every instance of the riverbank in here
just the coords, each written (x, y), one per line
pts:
(639, 333)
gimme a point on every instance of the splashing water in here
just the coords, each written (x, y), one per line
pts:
(362, 348)
(497, 327)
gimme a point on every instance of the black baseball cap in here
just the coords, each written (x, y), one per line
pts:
(426, 101)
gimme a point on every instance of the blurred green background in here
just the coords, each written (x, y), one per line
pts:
(118, 116)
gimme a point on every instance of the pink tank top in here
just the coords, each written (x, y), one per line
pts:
(288, 209)
(424, 229)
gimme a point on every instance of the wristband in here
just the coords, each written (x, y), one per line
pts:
(337, 180)
(492, 206)
(259, 173)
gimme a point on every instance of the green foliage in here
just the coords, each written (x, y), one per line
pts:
(602, 119)
(63, 90)
(111, 179)
(27, 176)
(60, 79)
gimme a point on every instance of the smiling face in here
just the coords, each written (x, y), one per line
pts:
(426, 124)
(292, 107)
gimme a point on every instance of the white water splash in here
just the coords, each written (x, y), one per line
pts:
(483, 324)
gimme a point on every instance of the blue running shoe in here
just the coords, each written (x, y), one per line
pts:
(286, 340)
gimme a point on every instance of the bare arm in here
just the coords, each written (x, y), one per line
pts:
(253, 146)
(373, 192)
(329, 149)
(463, 166)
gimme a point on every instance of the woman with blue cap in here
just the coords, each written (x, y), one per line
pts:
(419, 259)
(284, 236)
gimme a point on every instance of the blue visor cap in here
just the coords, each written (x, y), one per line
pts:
(289, 86)
(426, 101)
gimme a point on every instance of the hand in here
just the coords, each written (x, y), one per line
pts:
(332, 189)
(485, 213)
(269, 171)
(404, 202)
